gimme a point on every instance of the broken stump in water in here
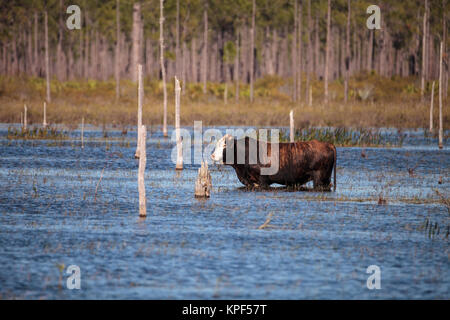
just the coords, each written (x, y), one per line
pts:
(203, 183)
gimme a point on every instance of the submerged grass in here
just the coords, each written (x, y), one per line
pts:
(36, 133)
(345, 137)
(375, 199)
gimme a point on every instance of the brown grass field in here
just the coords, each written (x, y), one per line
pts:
(374, 103)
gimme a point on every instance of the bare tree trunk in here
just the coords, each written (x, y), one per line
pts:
(441, 130)
(431, 108)
(80, 57)
(149, 68)
(30, 65)
(194, 60)
(308, 53)
(70, 63)
(294, 53)
(236, 66)
(22, 53)
(44, 121)
(347, 54)
(117, 55)
(140, 103)
(141, 172)
(163, 69)
(444, 39)
(300, 48)
(3, 60)
(327, 50)
(58, 72)
(93, 56)
(36, 58)
(370, 51)
(430, 59)
(11, 57)
(382, 51)
(252, 53)
(177, 41)
(179, 164)
(82, 132)
(47, 67)
(205, 47)
(274, 52)
(244, 50)
(424, 50)
(135, 40)
(291, 127)
(86, 49)
(316, 59)
(25, 121)
(184, 59)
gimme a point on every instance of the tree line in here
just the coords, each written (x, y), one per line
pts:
(224, 40)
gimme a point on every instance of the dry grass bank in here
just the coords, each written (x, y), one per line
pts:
(374, 102)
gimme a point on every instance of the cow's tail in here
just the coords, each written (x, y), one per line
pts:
(334, 169)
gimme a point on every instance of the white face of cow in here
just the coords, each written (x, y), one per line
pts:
(220, 146)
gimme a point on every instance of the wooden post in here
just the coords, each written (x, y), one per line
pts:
(142, 163)
(25, 117)
(431, 108)
(21, 119)
(203, 182)
(179, 165)
(291, 130)
(441, 131)
(140, 100)
(44, 122)
(82, 133)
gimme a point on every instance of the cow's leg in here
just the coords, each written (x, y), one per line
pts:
(322, 180)
(245, 181)
(243, 176)
(264, 182)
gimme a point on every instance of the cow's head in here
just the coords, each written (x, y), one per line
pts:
(219, 150)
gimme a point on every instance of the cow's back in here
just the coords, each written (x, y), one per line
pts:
(298, 161)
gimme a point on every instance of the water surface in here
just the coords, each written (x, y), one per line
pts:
(54, 212)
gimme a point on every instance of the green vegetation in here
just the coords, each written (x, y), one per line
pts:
(343, 137)
(35, 134)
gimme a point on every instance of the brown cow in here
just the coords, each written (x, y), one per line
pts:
(299, 162)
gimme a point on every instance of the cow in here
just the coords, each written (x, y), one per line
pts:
(299, 162)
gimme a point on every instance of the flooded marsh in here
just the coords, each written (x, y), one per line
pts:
(62, 205)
